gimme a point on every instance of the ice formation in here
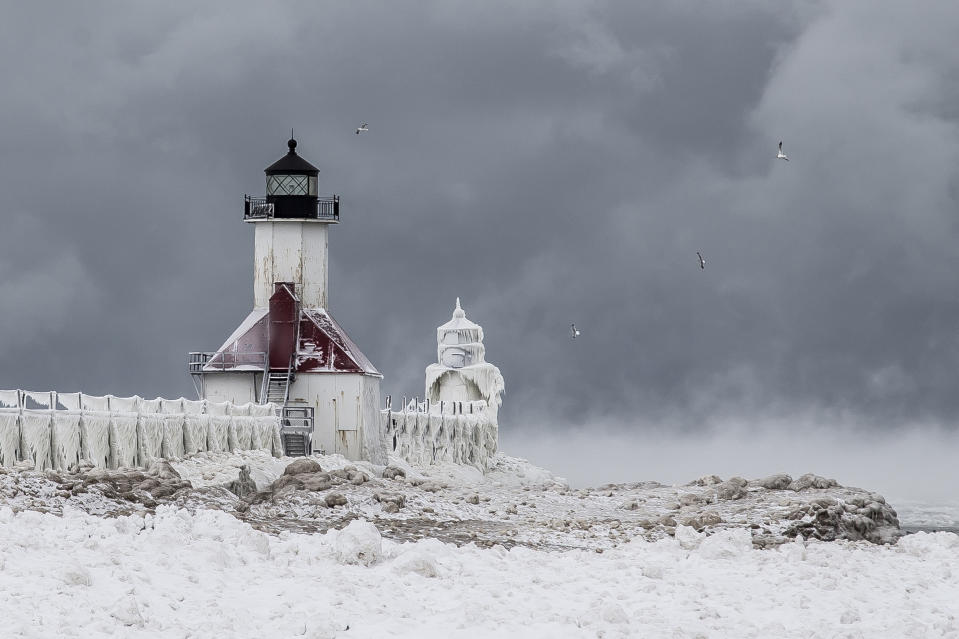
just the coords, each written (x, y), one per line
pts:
(9, 436)
(123, 440)
(218, 440)
(57, 430)
(457, 421)
(9, 399)
(241, 432)
(149, 437)
(425, 436)
(65, 438)
(95, 438)
(35, 437)
(195, 429)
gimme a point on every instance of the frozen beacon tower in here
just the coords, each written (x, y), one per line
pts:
(462, 374)
(289, 351)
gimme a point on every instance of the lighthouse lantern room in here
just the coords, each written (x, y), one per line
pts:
(289, 350)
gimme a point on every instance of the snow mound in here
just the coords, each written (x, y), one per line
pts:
(419, 561)
(359, 543)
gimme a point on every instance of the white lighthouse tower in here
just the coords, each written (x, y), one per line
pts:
(289, 350)
(461, 374)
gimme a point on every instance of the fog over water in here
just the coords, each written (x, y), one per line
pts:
(916, 463)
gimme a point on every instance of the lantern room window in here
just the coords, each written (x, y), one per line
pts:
(291, 185)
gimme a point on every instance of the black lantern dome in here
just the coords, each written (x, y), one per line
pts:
(291, 192)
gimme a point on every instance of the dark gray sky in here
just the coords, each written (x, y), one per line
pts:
(551, 163)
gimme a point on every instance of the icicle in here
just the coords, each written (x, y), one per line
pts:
(195, 429)
(123, 437)
(9, 437)
(173, 436)
(65, 439)
(149, 437)
(218, 438)
(35, 437)
(95, 438)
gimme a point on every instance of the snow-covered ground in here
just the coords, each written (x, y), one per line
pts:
(446, 552)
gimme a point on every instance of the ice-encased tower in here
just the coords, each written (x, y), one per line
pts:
(289, 350)
(462, 373)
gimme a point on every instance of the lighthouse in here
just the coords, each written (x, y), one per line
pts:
(289, 350)
(461, 374)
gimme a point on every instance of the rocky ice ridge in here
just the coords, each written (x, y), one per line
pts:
(513, 504)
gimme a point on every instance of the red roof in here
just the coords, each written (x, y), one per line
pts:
(321, 345)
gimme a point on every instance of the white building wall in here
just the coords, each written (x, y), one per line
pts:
(239, 388)
(290, 251)
(313, 289)
(346, 413)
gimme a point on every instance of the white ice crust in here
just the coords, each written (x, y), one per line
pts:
(57, 430)
(207, 574)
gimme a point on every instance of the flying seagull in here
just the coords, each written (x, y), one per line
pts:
(573, 331)
(781, 156)
(363, 128)
(702, 260)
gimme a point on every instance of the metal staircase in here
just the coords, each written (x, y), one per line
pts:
(296, 422)
(278, 389)
(297, 431)
(294, 444)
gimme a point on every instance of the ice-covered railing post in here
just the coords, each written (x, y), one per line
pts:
(457, 420)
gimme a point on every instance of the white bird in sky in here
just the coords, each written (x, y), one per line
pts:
(573, 331)
(702, 260)
(781, 156)
(363, 128)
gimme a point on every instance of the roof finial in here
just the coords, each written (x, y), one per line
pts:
(292, 142)
(458, 312)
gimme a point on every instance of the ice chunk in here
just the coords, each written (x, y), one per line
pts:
(37, 401)
(148, 406)
(69, 401)
(218, 408)
(192, 406)
(9, 399)
(171, 406)
(262, 410)
(124, 404)
(241, 409)
(94, 403)
(359, 543)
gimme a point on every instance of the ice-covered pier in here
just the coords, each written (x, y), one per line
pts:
(57, 430)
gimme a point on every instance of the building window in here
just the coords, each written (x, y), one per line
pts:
(290, 185)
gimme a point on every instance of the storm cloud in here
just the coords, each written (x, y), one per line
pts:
(549, 163)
